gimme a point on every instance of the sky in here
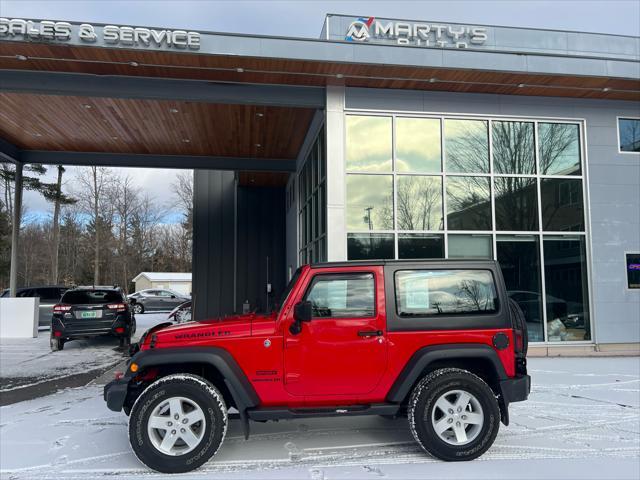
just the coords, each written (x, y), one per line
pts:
(304, 18)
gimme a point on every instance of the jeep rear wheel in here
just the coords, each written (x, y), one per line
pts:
(454, 415)
(178, 423)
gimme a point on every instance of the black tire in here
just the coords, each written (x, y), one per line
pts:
(422, 404)
(137, 308)
(125, 341)
(194, 388)
(56, 344)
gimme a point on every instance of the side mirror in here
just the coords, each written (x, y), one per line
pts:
(303, 311)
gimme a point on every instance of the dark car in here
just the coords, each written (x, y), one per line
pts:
(157, 299)
(86, 312)
(49, 295)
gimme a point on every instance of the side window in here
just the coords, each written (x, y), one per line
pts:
(444, 292)
(151, 293)
(163, 293)
(342, 295)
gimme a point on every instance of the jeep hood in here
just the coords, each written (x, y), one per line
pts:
(207, 331)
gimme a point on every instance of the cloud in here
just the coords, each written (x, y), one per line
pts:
(151, 181)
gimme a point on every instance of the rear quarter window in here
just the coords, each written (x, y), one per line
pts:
(432, 293)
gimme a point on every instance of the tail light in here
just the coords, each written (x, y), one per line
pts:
(119, 330)
(61, 308)
(57, 334)
(118, 307)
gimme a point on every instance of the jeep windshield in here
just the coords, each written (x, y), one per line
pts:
(287, 291)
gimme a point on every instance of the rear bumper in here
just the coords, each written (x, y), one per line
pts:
(72, 328)
(115, 393)
(516, 389)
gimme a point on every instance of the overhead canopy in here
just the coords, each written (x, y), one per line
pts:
(242, 102)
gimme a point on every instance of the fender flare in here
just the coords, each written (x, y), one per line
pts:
(421, 359)
(243, 393)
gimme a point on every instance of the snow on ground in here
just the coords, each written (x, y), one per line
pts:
(581, 421)
(29, 361)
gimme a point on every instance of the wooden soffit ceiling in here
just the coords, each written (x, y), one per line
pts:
(162, 127)
(105, 61)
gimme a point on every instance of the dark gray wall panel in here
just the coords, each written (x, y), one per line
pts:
(213, 243)
(261, 235)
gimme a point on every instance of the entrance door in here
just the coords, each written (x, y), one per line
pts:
(342, 350)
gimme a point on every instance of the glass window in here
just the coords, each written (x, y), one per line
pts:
(419, 203)
(420, 245)
(369, 202)
(519, 258)
(466, 146)
(89, 297)
(470, 246)
(565, 274)
(370, 246)
(444, 292)
(629, 134)
(513, 147)
(342, 296)
(516, 201)
(633, 270)
(368, 143)
(561, 204)
(559, 148)
(468, 203)
(418, 146)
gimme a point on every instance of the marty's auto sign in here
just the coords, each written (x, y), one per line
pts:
(368, 29)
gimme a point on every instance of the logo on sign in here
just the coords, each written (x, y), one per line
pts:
(415, 34)
(359, 30)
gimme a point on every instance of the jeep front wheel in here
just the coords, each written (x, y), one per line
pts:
(178, 423)
(454, 415)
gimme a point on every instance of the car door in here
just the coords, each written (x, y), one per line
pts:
(342, 350)
(152, 300)
(48, 298)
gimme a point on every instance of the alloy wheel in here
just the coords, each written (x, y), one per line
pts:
(457, 417)
(176, 426)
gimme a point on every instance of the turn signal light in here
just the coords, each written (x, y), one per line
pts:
(61, 308)
(118, 307)
(133, 367)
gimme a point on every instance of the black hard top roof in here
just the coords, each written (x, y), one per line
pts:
(432, 261)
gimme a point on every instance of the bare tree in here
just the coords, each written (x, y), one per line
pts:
(93, 185)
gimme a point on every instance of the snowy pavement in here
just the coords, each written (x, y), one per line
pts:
(29, 361)
(581, 421)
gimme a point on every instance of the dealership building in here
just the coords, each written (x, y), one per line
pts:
(380, 139)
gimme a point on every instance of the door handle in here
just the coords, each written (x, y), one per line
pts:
(370, 333)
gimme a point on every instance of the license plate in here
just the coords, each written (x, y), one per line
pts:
(88, 314)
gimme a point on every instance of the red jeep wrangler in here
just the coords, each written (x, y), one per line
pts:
(437, 341)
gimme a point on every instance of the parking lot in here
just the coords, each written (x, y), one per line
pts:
(29, 363)
(581, 421)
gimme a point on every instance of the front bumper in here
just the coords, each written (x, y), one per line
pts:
(516, 389)
(115, 393)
